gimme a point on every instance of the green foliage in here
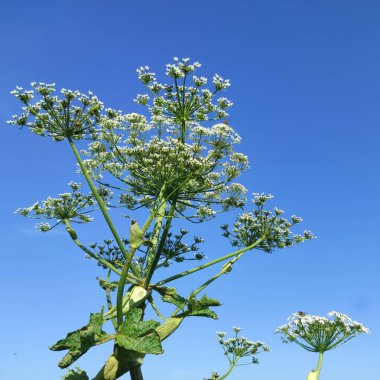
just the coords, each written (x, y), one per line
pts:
(193, 307)
(137, 335)
(201, 307)
(80, 341)
(176, 300)
(77, 374)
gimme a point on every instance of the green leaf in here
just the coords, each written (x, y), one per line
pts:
(206, 312)
(77, 374)
(164, 290)
(80, 341)
(175, 299)
(196, 308)
(200, 308)
(137, 335)
(206, 301)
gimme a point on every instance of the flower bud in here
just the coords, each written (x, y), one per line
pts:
(313, 375)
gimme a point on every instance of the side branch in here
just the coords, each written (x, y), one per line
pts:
(210, 263)
(101, 204)
(74, 237)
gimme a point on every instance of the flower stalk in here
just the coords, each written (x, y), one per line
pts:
(101, 206)
(319, 365)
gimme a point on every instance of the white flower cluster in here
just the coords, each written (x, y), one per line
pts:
(220, 83)
(239, 346)
(180, 102)
(269, 228)
(198, 174)
(181, 67)
(73, 116)
(320, 334)
(73, 207)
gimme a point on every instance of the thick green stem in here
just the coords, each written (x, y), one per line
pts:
(319, 365)
(120, 289)
(153, 249)
(156, 258)
(212, 262)
(101, 204)
(135, 373)
(128, 261)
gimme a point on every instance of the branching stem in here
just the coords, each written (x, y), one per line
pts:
(156, 258)
(101, 204)
(93, 255)
(212, 262)
(128, 263)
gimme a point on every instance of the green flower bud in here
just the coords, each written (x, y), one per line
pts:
(313, 375)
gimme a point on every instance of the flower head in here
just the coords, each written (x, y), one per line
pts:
(68, 115)
(74, 207)
(240, 347)
(185, 100)
(320, 334)
(266, 229)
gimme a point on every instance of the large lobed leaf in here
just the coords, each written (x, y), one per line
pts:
(137, 335)
(80, 341)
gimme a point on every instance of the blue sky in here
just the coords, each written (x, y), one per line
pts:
(305, 84)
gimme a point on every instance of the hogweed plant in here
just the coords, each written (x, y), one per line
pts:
(178, 163)
(320, 334)
(236, 348)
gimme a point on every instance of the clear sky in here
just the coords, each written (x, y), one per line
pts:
(306, 88)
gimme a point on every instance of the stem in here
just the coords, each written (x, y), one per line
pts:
(109, 301)
(100, 203)
(225, 269)
(135, 373)
(156, 233)
(93, 255)
(212, 262)
(161, 245)
(120, 289)
(154, 307)
(319, 365)
(229, 371)
(128, 262)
